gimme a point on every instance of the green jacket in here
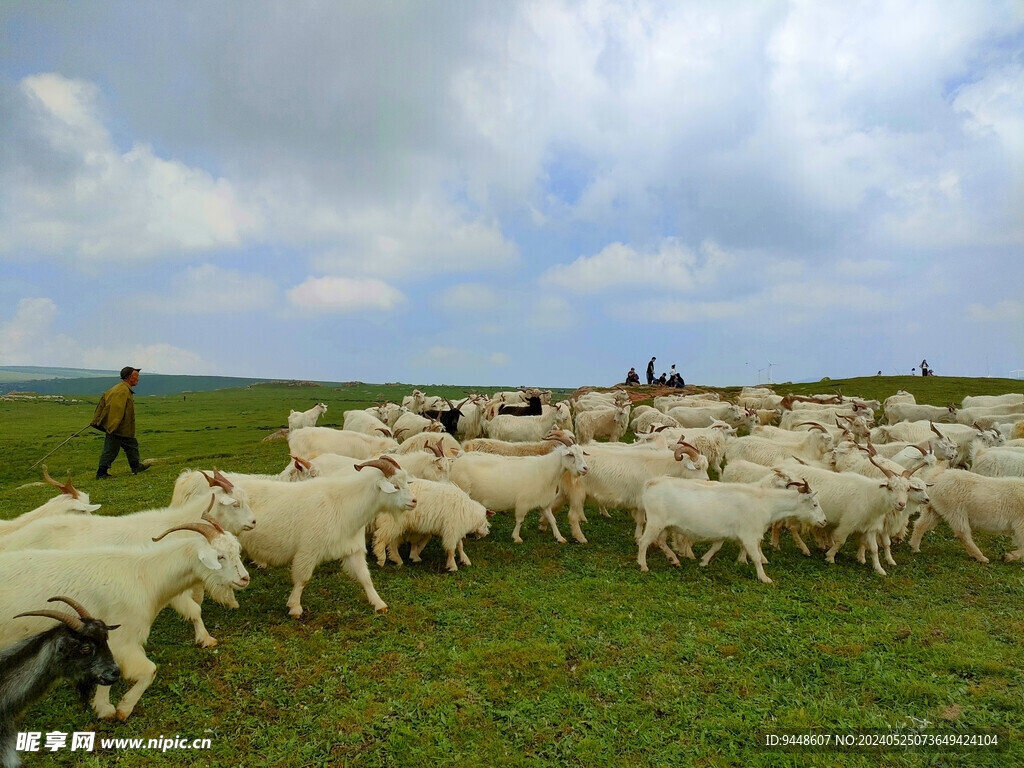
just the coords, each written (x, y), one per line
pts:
(115, 412)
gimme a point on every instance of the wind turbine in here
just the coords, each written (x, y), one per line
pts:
(770, 366)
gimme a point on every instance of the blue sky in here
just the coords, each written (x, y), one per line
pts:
(513, 193)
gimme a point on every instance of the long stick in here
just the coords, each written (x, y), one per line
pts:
(59, 446)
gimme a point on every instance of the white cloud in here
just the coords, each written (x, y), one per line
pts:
(1009, 311)
(672, 267)
(471, 298)
(341, 294)
(101, 204)
(208, 290)
(552, 312)
(424, 238)
(28, 339)
(861, 268)
(151, 358)
(446, 359)
(659, 311)
(821, 296)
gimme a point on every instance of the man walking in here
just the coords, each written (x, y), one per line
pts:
(115, 415)
(650, 371)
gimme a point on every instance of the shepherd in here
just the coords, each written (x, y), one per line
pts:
(115, 417)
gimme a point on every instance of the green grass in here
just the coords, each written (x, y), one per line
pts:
(539, 654)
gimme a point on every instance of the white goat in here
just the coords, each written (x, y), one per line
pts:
(442, 509)
(300, 419)
(519, 483)
(85, 532)
(71, 500)
(719, 511)
(968, 501)
(128, 586)
(312, 441)
(604, 422)
(367, 423)
(305, 524)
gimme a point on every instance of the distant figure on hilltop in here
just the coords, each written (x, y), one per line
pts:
(925, 370)
(632, 377)
(650, 371)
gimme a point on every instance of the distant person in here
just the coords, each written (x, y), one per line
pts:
(650, 371)
(632, 377)
(925, 370)
(661, 379)
(115, 416)
(675, 380)
(878, 374)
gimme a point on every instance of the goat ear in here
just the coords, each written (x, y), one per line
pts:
(91, 507)
(386, 487)
(208, 557)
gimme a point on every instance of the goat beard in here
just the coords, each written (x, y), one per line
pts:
(223, 595)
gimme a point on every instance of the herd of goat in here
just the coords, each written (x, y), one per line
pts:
(405, 473)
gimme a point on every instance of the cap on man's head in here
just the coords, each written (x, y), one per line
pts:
(128, 371)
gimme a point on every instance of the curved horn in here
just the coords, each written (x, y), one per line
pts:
(384, 431)
(887, 472)
(223, 482)
(387, 466)
(801, 487)
(935, 429)
(812, 424)
(204, 528)
(79, 608)
(908, 472)
(72, 621)
(67, 488)
(924, 451)
(559, 436)
(435, 448)
(684, 447)
(211, 521)
(303, 463)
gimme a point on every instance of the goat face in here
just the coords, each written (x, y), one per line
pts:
(223, 572)
(87, 658)
(572, 459)
(232, 510)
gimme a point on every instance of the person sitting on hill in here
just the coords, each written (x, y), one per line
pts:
(632, 377)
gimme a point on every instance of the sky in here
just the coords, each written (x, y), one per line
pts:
(518, 193)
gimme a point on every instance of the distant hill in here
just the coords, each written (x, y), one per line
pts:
(76, 381)
(9, 373)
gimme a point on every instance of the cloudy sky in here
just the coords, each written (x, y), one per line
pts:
(513, 193)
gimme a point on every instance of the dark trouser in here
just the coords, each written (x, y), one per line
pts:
(114, 443)
(650, 378)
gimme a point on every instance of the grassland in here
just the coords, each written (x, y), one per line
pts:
(541, 654)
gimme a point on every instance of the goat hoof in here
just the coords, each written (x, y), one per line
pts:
(122, 715)
(382, 609)
(207, 642)
(105, 712)
(295, 612)
(561, 541)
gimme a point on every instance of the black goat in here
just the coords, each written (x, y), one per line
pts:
(449, 419)
(533, 407)
(76, 648)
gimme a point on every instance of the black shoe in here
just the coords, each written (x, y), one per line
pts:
(140, 468)
(102, 476)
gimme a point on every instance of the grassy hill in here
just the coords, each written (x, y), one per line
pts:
(541, 654)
